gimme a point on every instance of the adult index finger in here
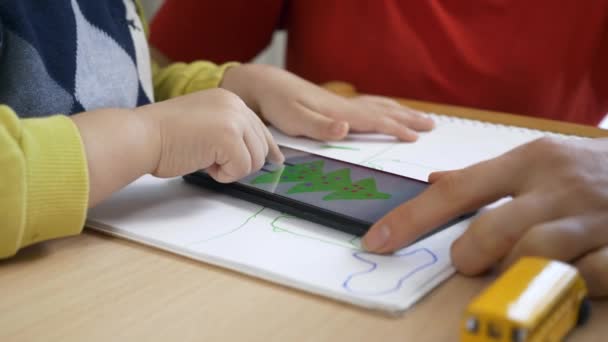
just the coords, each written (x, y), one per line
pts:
(453, 194)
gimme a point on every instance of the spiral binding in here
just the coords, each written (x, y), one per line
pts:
(442, 118)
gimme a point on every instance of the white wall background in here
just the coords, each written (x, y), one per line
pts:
(276, 51)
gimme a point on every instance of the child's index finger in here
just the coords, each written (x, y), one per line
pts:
(275, 156)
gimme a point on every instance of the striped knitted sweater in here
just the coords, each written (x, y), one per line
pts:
(59, 57)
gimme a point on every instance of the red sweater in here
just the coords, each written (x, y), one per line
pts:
(543, 58)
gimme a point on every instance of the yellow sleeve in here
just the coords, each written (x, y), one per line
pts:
(43, 180)
(181, 78)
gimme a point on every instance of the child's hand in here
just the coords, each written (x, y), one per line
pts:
(212, 130)
(298, 107)
(559, 209)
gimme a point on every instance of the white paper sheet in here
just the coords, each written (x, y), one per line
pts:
(220, 230)
(453, 144)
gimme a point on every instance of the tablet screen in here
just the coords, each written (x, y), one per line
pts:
(348, 189)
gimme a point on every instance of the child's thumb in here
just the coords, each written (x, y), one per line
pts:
(337, 130)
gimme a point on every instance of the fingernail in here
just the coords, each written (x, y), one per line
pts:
(276, 161)
(410, 135)
(375, 239)
(339, 128)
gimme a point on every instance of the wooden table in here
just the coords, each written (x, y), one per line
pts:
(98, 288)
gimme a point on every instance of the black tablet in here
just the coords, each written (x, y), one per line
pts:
(334, 193)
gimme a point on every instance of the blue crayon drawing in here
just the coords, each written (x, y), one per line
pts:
(386, 273)
(366, 282)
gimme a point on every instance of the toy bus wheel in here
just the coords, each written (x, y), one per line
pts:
(584, 312)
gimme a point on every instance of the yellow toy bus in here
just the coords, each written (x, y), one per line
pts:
(534, 300)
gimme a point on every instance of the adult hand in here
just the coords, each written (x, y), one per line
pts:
(559, 210)
(298, 107)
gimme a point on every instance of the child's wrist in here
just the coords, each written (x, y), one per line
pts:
(148, 126)
(120, 146)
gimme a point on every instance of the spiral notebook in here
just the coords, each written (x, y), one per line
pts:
(453, 144)
(244, 237)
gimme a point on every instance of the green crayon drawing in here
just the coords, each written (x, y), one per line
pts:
(364, 189)
(310, 178)
(353, 243)
(340, 147)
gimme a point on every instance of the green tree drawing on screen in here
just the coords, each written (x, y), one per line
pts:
(364, 189)
(310, 178)
(331, 181)
(292, 173)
